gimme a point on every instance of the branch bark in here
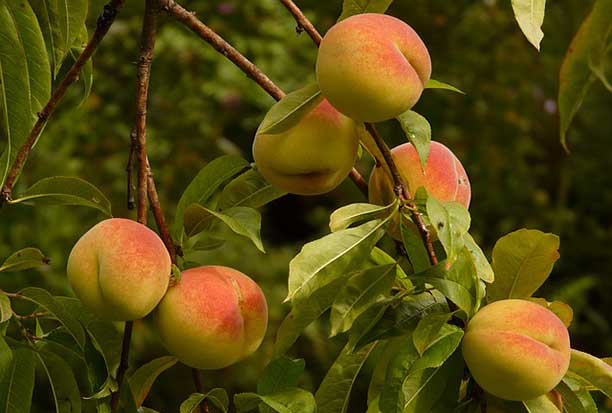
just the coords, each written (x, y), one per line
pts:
(105, 20)
(399, 186)
(249, 68)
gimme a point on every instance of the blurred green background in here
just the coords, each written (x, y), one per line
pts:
(505, 131)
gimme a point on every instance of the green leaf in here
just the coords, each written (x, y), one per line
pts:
(428, 329)
(483, 268)
(413, 243)
(6, 312)
(334, 392)
(242, 220)
(56, 310)
(436, 84)
(280, 374)
(529, 15)
(216, 396)
(348, 215)
(64, 386)
(418, 132)
(288, 401)
(143, 378)
(288, 111)
(249, 189)
(561, 310)
(352, 7)
(571, 402)
(17, 383)
(575, 77)
(321, 261)
(451, 289)
(451, 221)
(541, 404)
(25, 77)
(24, 259)
(206, 182)
(61, 22)
(391, 397)
(440, 349)
(65, 190)
(522, 260)
(361, 291)
(86, 74)
(595, 371)
(6, 358)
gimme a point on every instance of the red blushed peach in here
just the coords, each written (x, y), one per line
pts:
(313, 156)
(372, 67)
(516, 349)
(213, 317)
(444, 177)
(119, 269)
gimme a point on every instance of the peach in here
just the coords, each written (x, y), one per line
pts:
(313, 156)
(372, 67)
(119, 269)
(516, 349)
(444, 177)
(213, 317)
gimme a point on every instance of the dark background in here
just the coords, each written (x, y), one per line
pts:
(505, 131)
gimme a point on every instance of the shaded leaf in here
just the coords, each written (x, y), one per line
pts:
(242, 220)
(418, 132)
(17, 383)
(347, 215)
(571, 402)
(561, 310)
(575, 77)
(288, 111)
(428, 329)
(217, 396)
(6, 312)
(522, 260)
(540, 404)
(595, 371)
(143, 378)
(56, 310)
(360, 292)
(65, 190)
(64, 387)
(453, 290)
(529, 15)
(205, 183)
(352, 7)
(249, 189)
(288, 401)
(413, 243)
(24, 259)
(483, 268)
(436, 84)
(335, 389)
(86, 73)
(280, 374)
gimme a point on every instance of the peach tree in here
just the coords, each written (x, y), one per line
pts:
(404, 285)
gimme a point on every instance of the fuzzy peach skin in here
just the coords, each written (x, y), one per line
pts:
(214, 317)
(444, 177)
(313, 156)
(119, 269)
(516, 349)
(372, 67)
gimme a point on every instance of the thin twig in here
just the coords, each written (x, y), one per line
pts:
(399, 186)
(249, 68)
(197, 380)
(162, 226)
(129, 169)
(147, 44)
(105, 20)
(302, 21)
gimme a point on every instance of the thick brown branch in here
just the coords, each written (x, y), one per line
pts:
(302, 21)
(105, 20)
(208, 35)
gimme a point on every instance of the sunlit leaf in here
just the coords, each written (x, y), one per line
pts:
(288, 111)
(561, 310)
(418, 132)
(483, 267)
(594, 370)
(288, 401)
(436, 84)
(451, 222)
(217, 396)
(352, 7)
(529, 15)
(428, 329)
(540, 404)
(249, 189)
(24, 260)
(17, 383)
(347, 215)
(6, 312)
(143, 378)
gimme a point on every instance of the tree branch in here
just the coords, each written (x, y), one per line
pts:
(162, 226)
(105, 20)
(302, 21)
(197, 380)
(399, 187)
(249, 68)
(139, 137)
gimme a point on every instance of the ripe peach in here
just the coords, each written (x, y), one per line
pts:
(313, 156)
(372, 67)
(516, 349)
(119, 269)
(214, 317)
(444, 177)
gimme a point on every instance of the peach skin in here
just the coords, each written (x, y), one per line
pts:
(119, 269)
